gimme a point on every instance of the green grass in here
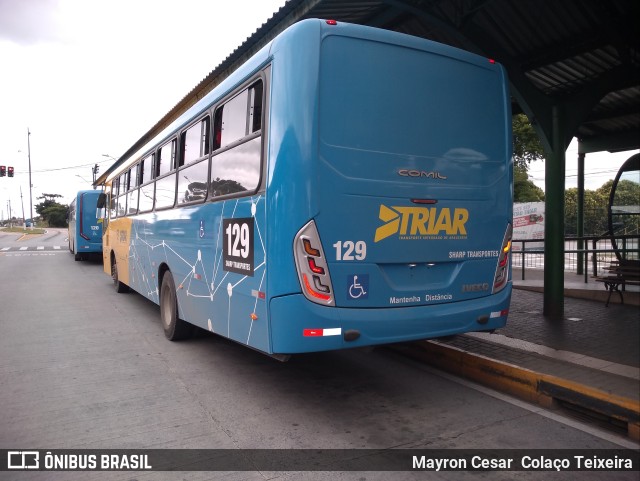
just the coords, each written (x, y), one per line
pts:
(22, 230)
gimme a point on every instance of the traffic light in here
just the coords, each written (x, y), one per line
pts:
(10, 173)
(3, 170)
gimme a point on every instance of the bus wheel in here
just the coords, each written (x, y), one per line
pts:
(174, 327)
(119, 286)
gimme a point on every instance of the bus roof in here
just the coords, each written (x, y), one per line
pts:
(228, 74)
(224, 77)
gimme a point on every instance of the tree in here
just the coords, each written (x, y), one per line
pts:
(50, 197)
(56, 215)
(595, 212)
(526, 144)
(523, 189)
(49, 200)
(625, 214)
(526, 148)
(627, 192)
(52, 212)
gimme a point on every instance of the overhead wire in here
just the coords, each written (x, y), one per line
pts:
(40, 171)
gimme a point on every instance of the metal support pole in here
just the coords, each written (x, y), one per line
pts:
(580, 210)
(30, 184)
(553, 307)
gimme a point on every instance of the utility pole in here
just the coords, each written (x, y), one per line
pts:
(24, 221)
(30, 184)
(94, 171)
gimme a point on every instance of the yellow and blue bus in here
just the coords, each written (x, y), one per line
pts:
(85, 229)
(346, 186)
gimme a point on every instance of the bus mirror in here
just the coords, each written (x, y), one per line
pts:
(102, 200)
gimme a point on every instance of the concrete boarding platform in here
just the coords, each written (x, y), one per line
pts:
(576, 287)
(589, 362)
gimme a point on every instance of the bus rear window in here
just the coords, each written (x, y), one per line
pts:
(394, 99)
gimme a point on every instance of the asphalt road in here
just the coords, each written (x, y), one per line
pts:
(82, 367)
(20, 244)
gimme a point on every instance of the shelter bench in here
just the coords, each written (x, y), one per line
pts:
(619, 275)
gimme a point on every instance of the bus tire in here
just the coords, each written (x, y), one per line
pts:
(119, 286)
(175, 328)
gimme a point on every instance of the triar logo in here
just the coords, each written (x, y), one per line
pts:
(421, 222)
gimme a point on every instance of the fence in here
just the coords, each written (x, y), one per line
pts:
(596, 253)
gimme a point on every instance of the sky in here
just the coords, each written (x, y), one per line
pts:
(599, 167)
(87, 78)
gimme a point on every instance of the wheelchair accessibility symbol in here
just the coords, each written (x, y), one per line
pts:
(358, 286)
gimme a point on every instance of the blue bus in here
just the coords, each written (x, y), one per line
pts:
(346, 186)
(85, 229)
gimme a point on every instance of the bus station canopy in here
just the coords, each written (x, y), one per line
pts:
(583, 53)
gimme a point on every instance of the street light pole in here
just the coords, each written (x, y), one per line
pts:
(30, 184)
(83, 179)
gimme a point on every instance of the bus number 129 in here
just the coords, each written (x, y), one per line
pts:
(350, 251)
(237, 234)
(238, 245)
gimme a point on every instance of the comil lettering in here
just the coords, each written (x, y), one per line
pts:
(421, 173)
(420, 222)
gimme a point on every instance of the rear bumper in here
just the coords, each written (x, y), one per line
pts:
(298, 325)
(83, 246)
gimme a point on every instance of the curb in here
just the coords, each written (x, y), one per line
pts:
(531, 386)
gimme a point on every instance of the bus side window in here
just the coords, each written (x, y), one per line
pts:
(146, 180)
(165, 158)
(71, 213)
(233, 125)
(236, 170)
(238, 122)
(192, 177)
(147, 169)
(165, 185)
(122, 197)
(217, 130)
(255, 107)
(134, 182)
(194, 142)
(113, 208)
(115, 190)
(101, 206)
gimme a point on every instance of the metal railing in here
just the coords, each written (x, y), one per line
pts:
(592, 259)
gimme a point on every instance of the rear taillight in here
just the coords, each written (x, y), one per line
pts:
(504, 259)
(311, 265)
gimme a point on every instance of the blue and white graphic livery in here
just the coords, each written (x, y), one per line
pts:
(346, 186)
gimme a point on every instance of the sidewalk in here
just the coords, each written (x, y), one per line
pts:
(574, 286)
(589, 361)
